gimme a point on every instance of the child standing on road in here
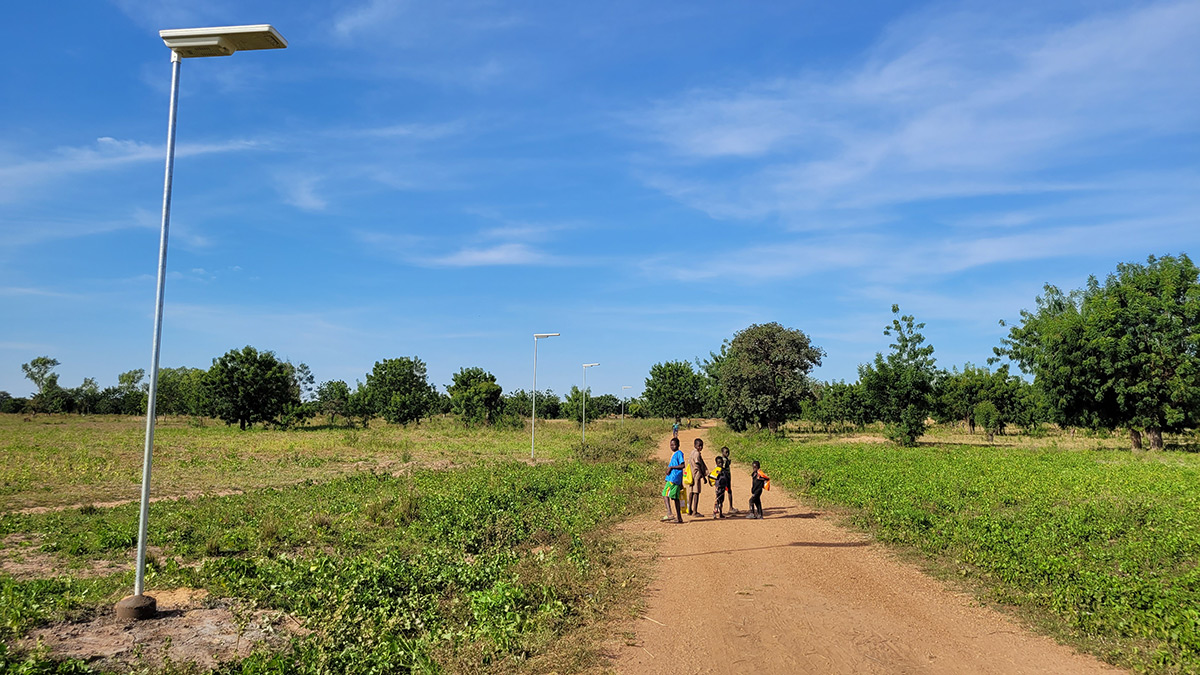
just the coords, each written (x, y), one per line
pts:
(674, 482)
(729, 472)
(699, 477)
(721, 475)
(758, 481)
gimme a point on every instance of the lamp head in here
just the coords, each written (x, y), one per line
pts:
(221, 40)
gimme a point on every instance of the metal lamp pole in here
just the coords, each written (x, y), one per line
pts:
(623, 388)
(184, 43)
(584, 425)
(533, 395)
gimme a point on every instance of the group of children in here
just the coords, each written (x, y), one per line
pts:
(693, 473)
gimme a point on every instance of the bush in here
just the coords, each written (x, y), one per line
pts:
(910, 427)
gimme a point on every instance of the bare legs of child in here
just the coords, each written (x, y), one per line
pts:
(755, 506)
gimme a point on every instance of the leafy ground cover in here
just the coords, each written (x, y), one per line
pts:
(473, 568)
(60, 460)
(1098, 546)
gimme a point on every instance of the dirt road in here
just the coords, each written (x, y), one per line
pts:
(796, 593)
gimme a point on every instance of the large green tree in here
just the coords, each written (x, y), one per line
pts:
(899, 387)
(674, 390)
(398, 390)
(40, 370)
(1125, 352)
(247, 386)
(764, 375)
(474, 396)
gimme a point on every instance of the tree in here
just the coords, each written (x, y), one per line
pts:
(305, 382)
(837, 403)
(899, 388)
(358, 406)
(764, 375)
(604, 405)
(673, 390)
(248, 386)
(572, 406)
(40, 371)
(518, 403)
(87, 396)
(399, 391)
(180, 391)
(1122, 353)
(988, 416)
(13, 404)
(475, 396)
(333, 397)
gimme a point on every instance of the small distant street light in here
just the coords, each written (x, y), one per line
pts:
(623, 388)
(533, 395)
(584, 426)
(184, 43)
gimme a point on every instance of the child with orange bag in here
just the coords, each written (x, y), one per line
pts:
(758, 482)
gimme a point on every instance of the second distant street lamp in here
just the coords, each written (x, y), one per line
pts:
(623, 388)
(533, 395)
(584, 426)
(184, 43)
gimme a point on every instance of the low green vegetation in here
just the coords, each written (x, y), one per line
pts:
(484, 567)
(1099, 546)
(67, 460)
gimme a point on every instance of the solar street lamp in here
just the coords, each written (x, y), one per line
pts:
(623, 388)
(584, 425)
(533, 396)
(184, 43)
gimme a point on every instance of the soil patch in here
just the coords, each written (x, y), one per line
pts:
(190, 628)
(21, 557)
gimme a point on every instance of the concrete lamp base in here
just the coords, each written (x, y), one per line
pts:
(137, 607)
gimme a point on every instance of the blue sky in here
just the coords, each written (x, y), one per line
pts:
(445, 179)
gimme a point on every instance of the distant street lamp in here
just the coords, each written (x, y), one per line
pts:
(623, 388)
(533, 395)
(584, 427)
(184, 43)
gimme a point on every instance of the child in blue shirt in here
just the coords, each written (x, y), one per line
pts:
(674, 482)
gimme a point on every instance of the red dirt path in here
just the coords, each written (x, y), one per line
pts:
(796, 593)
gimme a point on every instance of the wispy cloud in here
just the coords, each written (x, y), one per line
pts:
(301, 191)
(19, 175)
(500, 254)
(18, 291)
(513, 243)
(159, 14)
(946, 105)
(902, 259)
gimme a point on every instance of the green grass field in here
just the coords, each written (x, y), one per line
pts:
(1095, 544)
(432, 547)
(64, 460)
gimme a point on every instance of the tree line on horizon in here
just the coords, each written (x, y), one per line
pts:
(248, 387)
(1119, 354)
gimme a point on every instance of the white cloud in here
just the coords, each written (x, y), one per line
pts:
(947, 104)
(20, 175)
(159, 14)
(501, 254)
(301, 192)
